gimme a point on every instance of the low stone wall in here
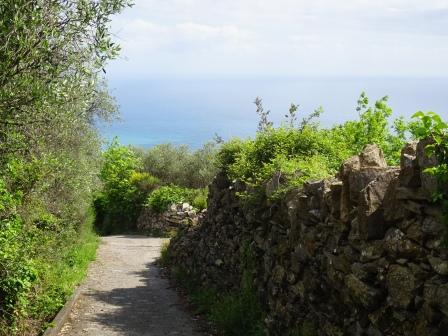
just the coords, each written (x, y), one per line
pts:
(178, 215)
(358, 254)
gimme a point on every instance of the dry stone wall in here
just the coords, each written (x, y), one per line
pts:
(178, 215)
(358, 254)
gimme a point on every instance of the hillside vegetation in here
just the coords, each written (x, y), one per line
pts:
(52, 93)
(56, 181)
(299, 151)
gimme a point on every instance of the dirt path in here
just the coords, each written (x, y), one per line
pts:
(125, 295)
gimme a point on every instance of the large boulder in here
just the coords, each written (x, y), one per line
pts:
(370, 212)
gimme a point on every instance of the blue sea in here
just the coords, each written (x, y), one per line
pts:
(191, 110)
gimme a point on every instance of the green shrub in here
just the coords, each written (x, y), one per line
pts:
(308, 151)
(144, 182)
(430, 126)
(233, 313)
(198, 198)
(160, 199)
(124, 189)
(238, 314)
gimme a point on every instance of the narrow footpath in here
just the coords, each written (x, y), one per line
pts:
(124, 294)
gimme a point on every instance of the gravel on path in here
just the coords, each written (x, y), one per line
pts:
(124, 294)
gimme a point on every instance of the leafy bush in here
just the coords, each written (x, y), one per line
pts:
(40, 264)
(18, 272)
(144, 182)
(198, 198)
(308, 151)
(160, 199)
(119, 202)
(373, 127)
(431, 126)
(52, 96)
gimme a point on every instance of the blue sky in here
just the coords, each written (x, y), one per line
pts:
(282, 38)
(190, 68)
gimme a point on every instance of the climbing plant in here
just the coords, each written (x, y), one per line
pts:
(430, 125)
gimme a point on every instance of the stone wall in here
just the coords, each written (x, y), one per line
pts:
(178, 215)
(358, 254)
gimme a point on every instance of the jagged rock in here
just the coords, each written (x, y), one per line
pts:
(363, 294)
(373, 194)
(349, 165)
(372, 156)
(398, 246)
(359, 179)
(370, 214)
(439, 265)
(372, 251)
(432, 227)
(436, 295)
(409, 172)
(400, 286)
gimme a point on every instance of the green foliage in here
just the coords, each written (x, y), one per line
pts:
(40, 264)
(51, 95)
(264, 124)
(431, 126)
(120, 200)
(241, 313)
(62, 265)
(198, 198)
(160, 199)
(181, 166)
(17, 272)
(298, 154)
(238, 314)
(144, 182)
(307, 151)
(231, 312)
(373, 128)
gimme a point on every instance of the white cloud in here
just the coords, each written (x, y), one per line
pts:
(284, 37)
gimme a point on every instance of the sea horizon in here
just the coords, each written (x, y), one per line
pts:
(190, 111)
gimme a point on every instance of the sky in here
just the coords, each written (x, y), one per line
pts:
(191, 68)
(163, 38)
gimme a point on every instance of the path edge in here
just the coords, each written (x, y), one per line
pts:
(63, 314)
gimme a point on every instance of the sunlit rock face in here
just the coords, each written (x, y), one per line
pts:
(358, 254)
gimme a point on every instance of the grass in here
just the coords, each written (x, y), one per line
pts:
(62, 269)
(231, 313)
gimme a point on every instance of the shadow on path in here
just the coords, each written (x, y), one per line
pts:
(124, 294)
